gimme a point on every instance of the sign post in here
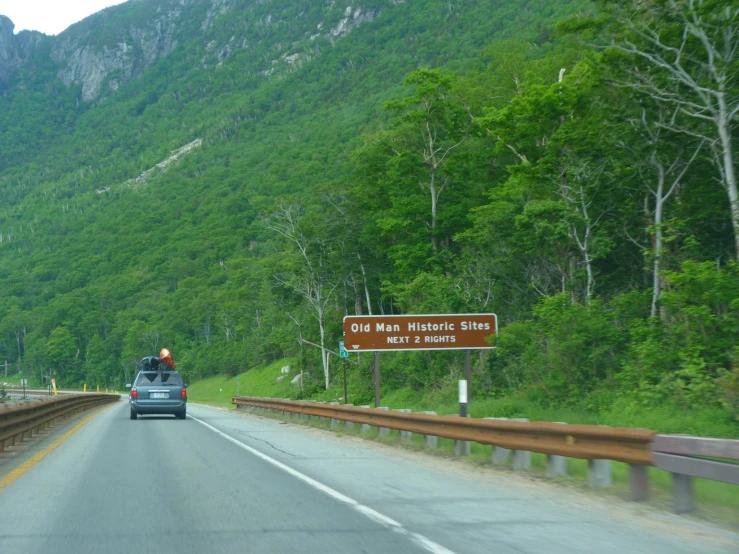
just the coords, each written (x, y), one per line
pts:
(468, 373)
(377, 379)
(463, 398)
(383, 333)
(24, 382)
(238, 379)
(53, 386)
(343, 354)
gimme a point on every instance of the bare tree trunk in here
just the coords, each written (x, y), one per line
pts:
(324, 353)
(366, 288)
(660, 197)
(18, 340)
(434, 202)
(693, 77)
(314, 286)
(729, 174)
(659, 203)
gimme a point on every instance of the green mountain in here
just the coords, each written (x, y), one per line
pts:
(229, 178)
(269, 98)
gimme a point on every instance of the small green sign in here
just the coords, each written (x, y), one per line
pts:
(238, 378)
(342, 351)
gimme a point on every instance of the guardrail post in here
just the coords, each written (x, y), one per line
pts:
(405, 436)
(430, 441)
(383, 431)
(462, 448)
(349, 424)
(364, 427)
(638, 483)
(682, 493)
(314, 417)
(521, 458)
(601, 474)
(334, 422)
(324, 420)
(500, 454)
(557, 466)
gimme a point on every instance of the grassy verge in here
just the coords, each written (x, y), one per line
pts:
(219, 390)
(15, 381)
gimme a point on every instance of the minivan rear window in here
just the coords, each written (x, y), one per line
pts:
(158, 379)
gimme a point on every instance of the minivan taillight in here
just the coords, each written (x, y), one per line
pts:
(134, 393)
(184, 393)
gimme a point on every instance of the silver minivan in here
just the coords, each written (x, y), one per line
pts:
(158, 392)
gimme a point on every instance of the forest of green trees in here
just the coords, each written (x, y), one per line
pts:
(569, 166)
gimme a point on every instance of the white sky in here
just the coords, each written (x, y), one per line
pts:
(50, 16)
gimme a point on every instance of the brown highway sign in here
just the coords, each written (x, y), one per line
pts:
(375, 333)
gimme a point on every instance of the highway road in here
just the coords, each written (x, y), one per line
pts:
(222, 481)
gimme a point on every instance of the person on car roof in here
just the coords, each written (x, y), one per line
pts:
(161, 363)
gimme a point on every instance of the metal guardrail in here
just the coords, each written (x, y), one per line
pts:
(573, 441)
(14, 391)
(683, 456)
(23, 421)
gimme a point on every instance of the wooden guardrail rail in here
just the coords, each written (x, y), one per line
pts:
(24, 421)
(640, 448)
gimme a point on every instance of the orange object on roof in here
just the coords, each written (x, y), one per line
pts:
(167, 359)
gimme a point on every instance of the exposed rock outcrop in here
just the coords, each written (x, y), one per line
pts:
(92, 66)
(113, 47)
(15, 49)
(7, 49)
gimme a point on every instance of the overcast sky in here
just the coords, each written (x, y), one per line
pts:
(50, 16)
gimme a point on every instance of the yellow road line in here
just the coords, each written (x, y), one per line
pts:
(36, 458)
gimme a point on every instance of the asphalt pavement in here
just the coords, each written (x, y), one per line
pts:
(222, 481)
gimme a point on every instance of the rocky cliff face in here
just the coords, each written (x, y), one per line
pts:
(15, 49)
(130, 47)
(7, 49)
(91, 66)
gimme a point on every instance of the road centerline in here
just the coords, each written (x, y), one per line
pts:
(15, 474)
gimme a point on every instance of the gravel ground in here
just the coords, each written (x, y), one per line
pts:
(13, 401)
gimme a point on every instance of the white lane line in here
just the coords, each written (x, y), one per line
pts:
(420, 540)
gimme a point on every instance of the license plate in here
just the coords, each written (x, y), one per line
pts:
(159, 395)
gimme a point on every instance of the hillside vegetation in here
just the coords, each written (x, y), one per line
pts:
(289, 163)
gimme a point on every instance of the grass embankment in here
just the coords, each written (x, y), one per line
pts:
(717, 501)
(15, 381)
(218, 390)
